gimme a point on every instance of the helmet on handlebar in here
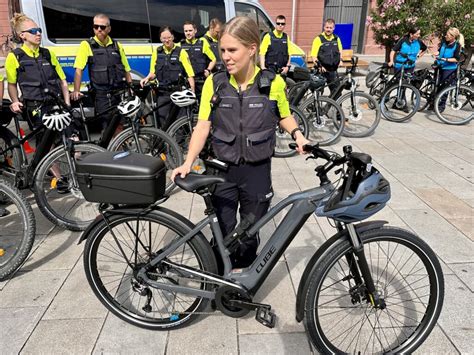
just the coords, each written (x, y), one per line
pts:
(367, 195)
(129, 106)
(183, 98)
(57, 119)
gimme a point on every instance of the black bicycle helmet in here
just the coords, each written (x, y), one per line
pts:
(367, 196)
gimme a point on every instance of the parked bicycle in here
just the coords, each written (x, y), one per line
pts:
(18, 230)
(370, 286)
(49, 173)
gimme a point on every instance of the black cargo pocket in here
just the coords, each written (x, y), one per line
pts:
(100, 76)
(260, 145)
(223, 144)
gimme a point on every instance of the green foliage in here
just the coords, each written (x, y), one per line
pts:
(454, 13)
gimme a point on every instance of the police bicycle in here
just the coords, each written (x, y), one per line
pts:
(49, 172)
(370, 287)
(17, 234)
(136, 135)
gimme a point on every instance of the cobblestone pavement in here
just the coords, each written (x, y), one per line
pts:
(48, 306)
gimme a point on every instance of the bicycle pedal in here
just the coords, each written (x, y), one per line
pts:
(265, 316)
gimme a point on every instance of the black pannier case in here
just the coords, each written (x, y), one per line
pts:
(121, 178)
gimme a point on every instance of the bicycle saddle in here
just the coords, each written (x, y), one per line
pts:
(193, 181)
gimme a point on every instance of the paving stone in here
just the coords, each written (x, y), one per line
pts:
(279, 293)
(464, 225)
(456, 319)
(403, 199)
(465, 272)
(437, 343)
(282, 343)
(457, 185)
(119, 337)
(446, 240)
(85, 305)
(396, 146)
(64, 336)
(310, 236)
(213, 334)
(32, 289)
(444, 202)
(17, 325)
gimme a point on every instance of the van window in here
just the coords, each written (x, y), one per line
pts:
(63, 21)
(264, 24)
(177, 12)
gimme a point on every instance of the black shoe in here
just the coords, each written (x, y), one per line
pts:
(4, 212)
(62, 185)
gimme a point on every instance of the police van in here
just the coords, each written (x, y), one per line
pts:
(135, 24)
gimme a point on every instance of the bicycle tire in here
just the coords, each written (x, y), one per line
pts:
(283, 138)
(152, 142)
(427, 91)
(17, 234)
(362, 121)
(395, 275)
(12, 160)
(454, 112)
(101, 263)
(181, 131)
(67, 209)
(388, 101)
(323, 127)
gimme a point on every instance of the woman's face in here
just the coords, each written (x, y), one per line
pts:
(449, 37)
(30, 33)
(167, 39)
(235, 55)
(415, 35)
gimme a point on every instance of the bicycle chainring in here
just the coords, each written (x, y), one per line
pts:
(227, 293)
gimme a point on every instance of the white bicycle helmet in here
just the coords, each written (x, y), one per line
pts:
(129, 106)
(57, 119)
(183, 98)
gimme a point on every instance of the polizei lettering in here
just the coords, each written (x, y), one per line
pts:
(266, 259)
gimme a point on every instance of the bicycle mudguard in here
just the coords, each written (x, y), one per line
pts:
(312, 264)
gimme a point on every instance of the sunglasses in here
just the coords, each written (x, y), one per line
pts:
(102, 27)
(33, 31)
(281, 23)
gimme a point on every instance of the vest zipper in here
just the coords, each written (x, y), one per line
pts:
(244, 139)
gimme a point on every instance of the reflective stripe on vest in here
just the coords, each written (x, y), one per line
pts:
(105, 66)
(277, 53)
(243, 123)
(196, 56)
(168, 68)
(34, 75)
(329, 55)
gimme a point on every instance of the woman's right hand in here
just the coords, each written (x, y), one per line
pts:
(16, 107)
(144, 81)
(182, 171)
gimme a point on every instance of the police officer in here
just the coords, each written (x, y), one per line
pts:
(240, 107)
(169, 65)
(212, 38)
(35, 69)
(447, 60)
(200, 54)
(409, 47)
(326, 52)
(275, 48)
(109, 71)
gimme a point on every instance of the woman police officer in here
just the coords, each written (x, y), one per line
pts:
(242, 106)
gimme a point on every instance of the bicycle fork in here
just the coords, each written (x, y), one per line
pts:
(360, 271)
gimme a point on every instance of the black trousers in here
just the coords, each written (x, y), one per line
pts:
(103, 102)
(248, 189)
(331, 79)
(446, 78)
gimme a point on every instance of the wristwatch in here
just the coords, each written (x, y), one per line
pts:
(292, 134)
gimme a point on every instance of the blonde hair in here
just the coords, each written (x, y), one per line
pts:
(453, 31)
(17, 22)
(245, 30)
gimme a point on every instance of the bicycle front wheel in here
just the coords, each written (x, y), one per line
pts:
(56, 193)
(455, 107)
(115, 253)
(283, 138)
(17, 234)
(154, 142)
(407, 275)
(11, 160)
(400, 103)
(362, 114)
(325, 119)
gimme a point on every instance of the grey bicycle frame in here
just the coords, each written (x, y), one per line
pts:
(303, 204)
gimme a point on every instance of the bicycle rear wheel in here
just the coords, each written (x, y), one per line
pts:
(17, 234)
(458, 105)
(152, 142)
(407, 275)
(325, 119)
(283, 138)
(112, 261)
(57, 197)
(362, 114)
(181, 131)
(399, 104)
